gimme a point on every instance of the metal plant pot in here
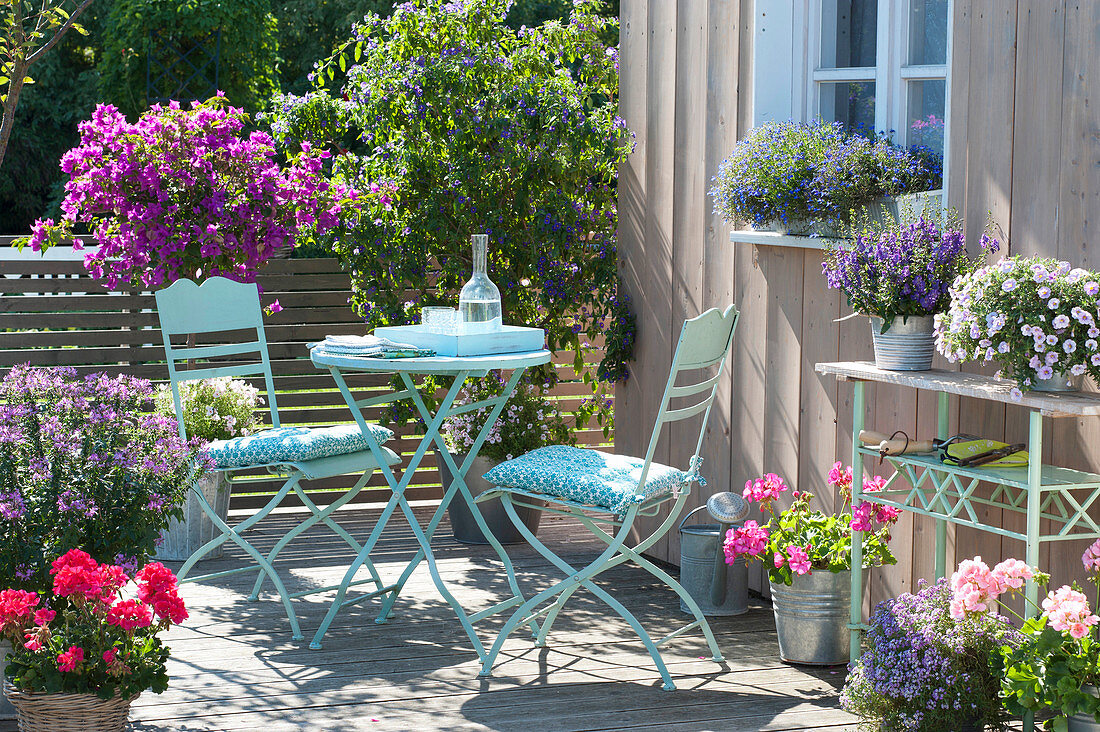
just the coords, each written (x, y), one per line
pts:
(182, 538)
(908, 344)
(1060, 382)
(811, 618)
(463, 523)
(1085, 722)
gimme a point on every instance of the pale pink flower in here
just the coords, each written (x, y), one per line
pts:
(1068, 610)
(1011, 574)
(974, 588)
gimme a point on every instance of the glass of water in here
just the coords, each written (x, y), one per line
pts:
(440, 320)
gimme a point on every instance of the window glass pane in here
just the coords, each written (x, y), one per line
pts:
(926, 113)
(849, 33)
(927, 31)
(850, 102)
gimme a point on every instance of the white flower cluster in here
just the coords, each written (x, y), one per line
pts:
(1036, 317)
(214, 409)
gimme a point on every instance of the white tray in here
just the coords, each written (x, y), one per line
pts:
(509, 339)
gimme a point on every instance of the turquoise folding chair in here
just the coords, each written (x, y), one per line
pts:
(219, 310)
(596, 487)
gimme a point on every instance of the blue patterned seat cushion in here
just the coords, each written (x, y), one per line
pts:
(283, 445)
(589, 477)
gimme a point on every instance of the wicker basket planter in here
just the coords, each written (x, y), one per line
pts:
(42, 712)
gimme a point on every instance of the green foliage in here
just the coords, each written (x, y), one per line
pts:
(309, 30)
(1047, 672)
(248, 47)
(480, 128)
(63, 94)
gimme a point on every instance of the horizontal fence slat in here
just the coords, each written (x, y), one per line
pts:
(52, 313)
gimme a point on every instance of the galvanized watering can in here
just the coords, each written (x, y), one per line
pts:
(720, 589)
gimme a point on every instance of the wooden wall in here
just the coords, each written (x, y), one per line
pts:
(1025, 146)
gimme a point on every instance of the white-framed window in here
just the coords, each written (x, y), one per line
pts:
(880, 65)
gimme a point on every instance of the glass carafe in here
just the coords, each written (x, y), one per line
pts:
(479, 301)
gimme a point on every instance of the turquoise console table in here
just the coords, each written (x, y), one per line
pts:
(925, 486)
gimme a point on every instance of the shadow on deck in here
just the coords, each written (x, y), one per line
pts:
(235, 667)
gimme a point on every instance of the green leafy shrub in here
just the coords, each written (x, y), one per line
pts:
(477, 127)
(530, 419)
(247, 71)
(64, 93)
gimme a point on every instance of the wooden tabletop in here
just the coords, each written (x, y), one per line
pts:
(1072, 404)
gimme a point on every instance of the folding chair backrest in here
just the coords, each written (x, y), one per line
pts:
(704, 342)
(219, 305)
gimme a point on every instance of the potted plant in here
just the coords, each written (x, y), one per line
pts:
(1035, 317)
(84, 651)
(900, 276)
(213, 409)
(927, 669)
(1057, 666)
(800, 178)
(808, 553)
(188, 193)
(530, 420)
(85, 464)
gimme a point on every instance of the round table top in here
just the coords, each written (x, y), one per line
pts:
(430, 364)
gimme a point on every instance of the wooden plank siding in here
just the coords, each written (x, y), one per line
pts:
(1024, 142)
(53, 314)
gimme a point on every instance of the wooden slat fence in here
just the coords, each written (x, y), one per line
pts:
(53, 314)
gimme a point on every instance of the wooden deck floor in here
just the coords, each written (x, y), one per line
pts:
(235, 667)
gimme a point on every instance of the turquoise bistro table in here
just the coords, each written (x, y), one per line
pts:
(461, 368)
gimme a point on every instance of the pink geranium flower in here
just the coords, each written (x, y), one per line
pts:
(1091, 558)
(764, 489)
(1068, 610)
(799, 558)
(69, 660)
(974, 588)
(748, 540)
(1011, 574)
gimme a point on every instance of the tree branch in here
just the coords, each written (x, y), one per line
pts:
(60, 32)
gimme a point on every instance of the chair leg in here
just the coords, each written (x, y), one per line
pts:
(363, 557)
(317, 515)
(233, 534)
(636, 556)
(583, 578)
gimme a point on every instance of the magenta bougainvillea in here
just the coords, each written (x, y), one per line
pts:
(187, 193)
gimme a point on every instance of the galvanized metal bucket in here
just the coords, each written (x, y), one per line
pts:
(1059, 382)
(699, 544)
(1085, 722)
(908, 345)
(464, 525)
(183, 537)
(811, 618)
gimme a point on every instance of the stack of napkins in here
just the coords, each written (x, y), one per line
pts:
(369, 346)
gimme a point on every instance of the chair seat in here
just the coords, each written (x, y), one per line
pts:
(588, 477)
(282, 445)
